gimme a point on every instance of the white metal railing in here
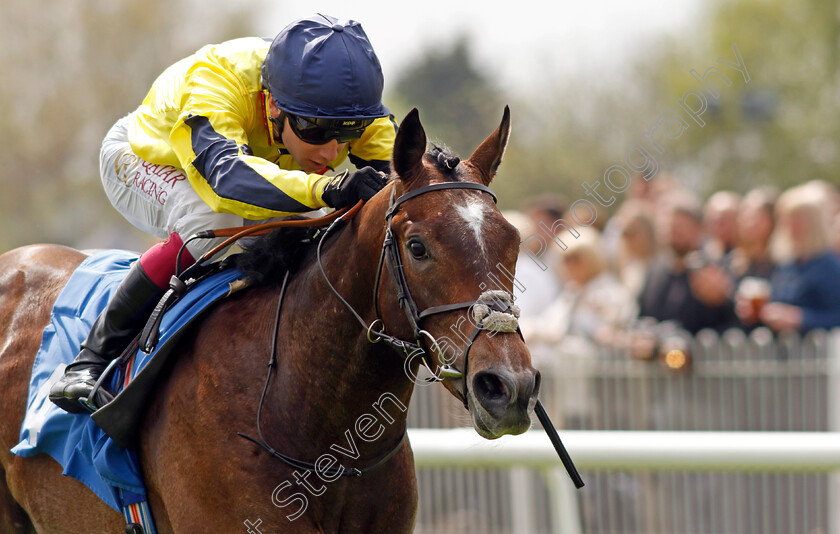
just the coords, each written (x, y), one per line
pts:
(765, 452)
(745, 442)
(632, 451)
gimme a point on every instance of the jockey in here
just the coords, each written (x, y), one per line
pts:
(245, 129)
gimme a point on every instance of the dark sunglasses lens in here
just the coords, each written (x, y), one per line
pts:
(310, 131)
(315, 135)
(306, 131)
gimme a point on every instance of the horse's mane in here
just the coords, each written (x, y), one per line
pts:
(266, 260)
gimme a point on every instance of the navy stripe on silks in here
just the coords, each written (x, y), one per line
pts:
(217, 160)
(380, 165)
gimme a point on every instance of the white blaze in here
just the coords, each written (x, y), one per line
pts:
(473, 214)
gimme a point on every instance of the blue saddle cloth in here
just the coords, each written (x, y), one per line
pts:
(84, 451)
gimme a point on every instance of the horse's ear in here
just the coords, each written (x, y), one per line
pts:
(409, 146)
(488, 155)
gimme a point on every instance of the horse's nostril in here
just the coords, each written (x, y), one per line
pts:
(490, 387)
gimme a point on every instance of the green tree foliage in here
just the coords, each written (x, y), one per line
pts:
(457, 100)
(564, 130)
(570, 131)
(778, 128)
(71, 68)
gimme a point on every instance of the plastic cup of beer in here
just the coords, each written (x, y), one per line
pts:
(757, 292)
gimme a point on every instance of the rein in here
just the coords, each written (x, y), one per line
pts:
(499, 302)
(262, 229)
(332, 472)
(493, 305)
(389, 256)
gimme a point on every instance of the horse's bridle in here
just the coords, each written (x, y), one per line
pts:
(495, 304)
(390, 256)
(496, 301)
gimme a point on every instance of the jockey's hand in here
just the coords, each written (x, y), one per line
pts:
(346, 189)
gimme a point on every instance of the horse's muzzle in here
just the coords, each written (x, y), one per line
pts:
(504, 400)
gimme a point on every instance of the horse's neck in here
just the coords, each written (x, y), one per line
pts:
(330, 375)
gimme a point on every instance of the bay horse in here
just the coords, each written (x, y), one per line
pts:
(333, 391)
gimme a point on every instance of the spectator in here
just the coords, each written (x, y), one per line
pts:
(651, 195)
(835, 232)
(720, 220)
(686, 287)
(569, 334)
(652, 190)
(544, 211)
(591, 304)
(637, 247)
(805, 288)
(826, 195)
(755, 223)
(750, 265)
(541, 286)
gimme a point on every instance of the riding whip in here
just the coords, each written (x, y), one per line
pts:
(558, 445)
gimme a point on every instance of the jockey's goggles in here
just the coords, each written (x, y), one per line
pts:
(317, 131)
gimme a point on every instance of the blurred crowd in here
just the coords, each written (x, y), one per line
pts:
(667, 261)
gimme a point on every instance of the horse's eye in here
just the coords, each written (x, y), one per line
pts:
(417, 249)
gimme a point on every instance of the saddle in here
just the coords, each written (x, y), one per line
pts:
(98, 450)
(189, 296)
(138, 369)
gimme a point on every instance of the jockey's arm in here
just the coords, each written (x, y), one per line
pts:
(211, 143)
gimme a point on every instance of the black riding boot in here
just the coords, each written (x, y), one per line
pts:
(111, 333)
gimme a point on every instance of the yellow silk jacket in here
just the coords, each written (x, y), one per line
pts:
(208, 114)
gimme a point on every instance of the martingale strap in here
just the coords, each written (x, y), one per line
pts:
(494, 310)
(332, 472)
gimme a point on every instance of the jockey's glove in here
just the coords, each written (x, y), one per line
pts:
(346, 189)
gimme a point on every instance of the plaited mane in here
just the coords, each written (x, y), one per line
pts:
(445, 161)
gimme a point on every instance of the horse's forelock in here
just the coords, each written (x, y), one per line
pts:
(444, 160)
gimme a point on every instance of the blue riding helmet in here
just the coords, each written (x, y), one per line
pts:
(325, 68)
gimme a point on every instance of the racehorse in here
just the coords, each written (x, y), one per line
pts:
(333, 390)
